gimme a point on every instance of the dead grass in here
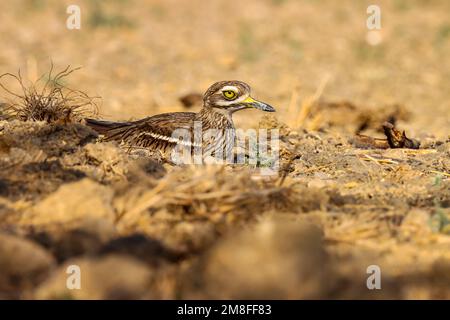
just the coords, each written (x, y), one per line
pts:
(47, 99)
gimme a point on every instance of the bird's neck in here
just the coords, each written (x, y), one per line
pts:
(215, 118)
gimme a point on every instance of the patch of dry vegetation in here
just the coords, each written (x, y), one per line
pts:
(48, 99)
(186, 232)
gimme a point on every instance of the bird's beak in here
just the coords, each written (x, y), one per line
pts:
(252, 103)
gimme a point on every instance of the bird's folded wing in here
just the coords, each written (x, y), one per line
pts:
(159, 132)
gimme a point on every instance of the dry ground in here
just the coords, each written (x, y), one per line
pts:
(140, 229)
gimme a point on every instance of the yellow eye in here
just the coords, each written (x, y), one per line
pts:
(229, 94)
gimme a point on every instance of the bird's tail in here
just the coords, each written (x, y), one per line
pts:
(111, 130)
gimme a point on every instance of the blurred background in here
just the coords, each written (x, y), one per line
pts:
(142, 56)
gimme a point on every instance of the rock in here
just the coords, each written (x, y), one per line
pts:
(416, 224)
(275, 260)
(444, 148)
(109, 277)
(23, 264)
(73, 204)
(103, 162)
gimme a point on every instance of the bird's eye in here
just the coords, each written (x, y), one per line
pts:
(229, 94)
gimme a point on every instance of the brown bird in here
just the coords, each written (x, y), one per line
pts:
(161, 132)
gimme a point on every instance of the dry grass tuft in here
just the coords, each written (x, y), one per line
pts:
(302, 114)
(207, 193)
(52, 101)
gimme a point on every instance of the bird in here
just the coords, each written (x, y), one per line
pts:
(214, 121)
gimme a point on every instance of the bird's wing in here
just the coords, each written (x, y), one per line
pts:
(104, 126)
(152, 132)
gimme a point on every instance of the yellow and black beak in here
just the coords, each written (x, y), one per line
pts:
(252, 103)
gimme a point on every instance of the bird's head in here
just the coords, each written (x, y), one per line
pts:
(232, 96)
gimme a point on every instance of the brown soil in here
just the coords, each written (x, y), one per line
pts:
(139, 228)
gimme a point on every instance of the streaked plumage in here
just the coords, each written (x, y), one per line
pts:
(220, 101)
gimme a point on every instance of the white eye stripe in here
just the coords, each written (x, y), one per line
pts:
(236, 101)
(230, 88)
